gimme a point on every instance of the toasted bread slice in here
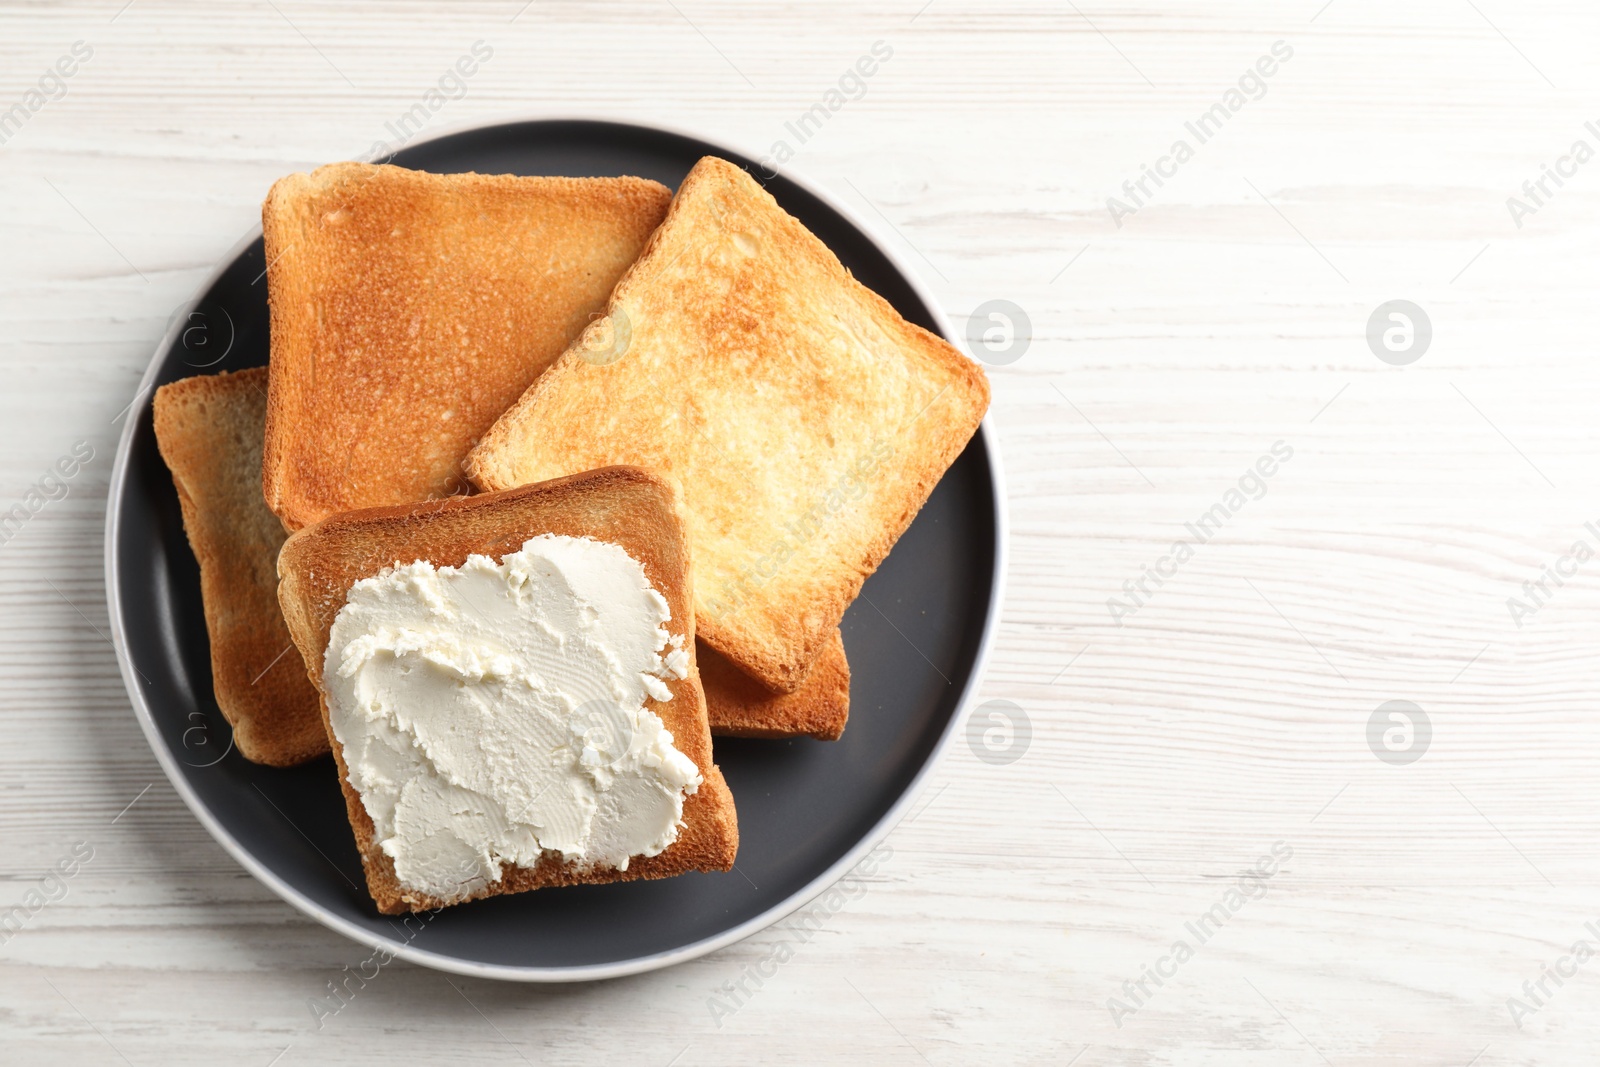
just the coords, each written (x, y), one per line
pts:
(803, 419)
(410, 309)
(740, 706)
(623, 505)
(209, 431)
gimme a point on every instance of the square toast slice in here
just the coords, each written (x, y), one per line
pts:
(740, 706)
(804, 421)
(410, 309)
(627, 506)
(208, 429)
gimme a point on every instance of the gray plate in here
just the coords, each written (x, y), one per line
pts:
(808, 810)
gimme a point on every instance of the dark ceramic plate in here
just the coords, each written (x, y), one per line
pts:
(808, 810)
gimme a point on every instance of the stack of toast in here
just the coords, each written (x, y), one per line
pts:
(462, 362)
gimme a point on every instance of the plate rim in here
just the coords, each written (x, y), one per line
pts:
(582, 972)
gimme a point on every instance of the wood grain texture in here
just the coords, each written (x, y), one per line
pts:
(1168, 753)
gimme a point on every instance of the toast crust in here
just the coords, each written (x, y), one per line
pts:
(208, 429)
(804, 421)
(410, 309)
(627, 506)
(740, 706)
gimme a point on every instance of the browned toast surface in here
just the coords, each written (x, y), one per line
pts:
(410, 309)
(208, 429)
(740, 706)
(803, 420)
(626, 506)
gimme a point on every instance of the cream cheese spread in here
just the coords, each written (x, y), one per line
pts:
(494, 713)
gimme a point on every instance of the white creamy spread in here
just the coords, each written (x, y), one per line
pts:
(494, 713)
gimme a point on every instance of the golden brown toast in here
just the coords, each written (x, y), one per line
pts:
(803, 420)
(740, 706)
(624, 505)
(209, 431)
(410, 309)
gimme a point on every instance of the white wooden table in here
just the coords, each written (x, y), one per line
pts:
(1171, 748)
